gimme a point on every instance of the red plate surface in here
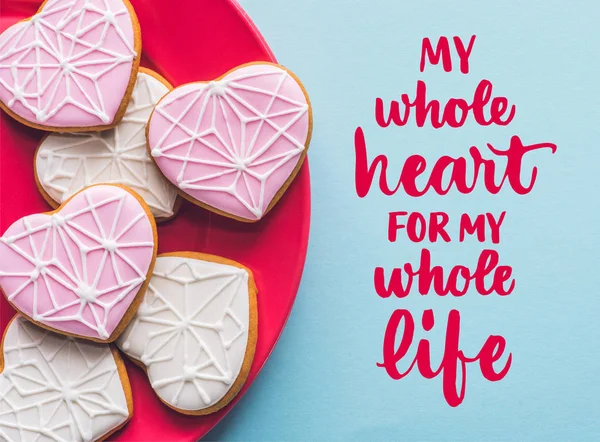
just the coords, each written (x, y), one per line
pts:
(184, 40)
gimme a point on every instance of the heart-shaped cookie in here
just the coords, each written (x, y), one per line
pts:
(235, 144)
(72, 66)
(81, 269)
(57, 388)
(66, 163)
(195, 331)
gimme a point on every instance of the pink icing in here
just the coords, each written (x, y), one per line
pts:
(232, 143)
(78, 270)
(70, 64)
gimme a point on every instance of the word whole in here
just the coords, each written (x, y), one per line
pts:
(493, 169)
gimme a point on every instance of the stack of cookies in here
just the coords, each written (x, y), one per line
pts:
(123, 148)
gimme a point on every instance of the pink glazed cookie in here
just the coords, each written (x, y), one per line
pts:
(72, 66)
(81, 270)
(235, 144)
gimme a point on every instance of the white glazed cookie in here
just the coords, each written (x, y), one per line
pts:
(57, 388)
(66, 163)
(195, 331)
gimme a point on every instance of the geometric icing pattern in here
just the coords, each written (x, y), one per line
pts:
(233, 143)
(191, 331)
(78, 270)
(70, 64)
(66, 163)
(57, 388)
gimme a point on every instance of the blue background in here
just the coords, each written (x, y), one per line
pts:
(321, 381)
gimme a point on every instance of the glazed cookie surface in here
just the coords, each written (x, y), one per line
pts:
(57, 388)
(72, 66)
(66, 163)
(235, 144)
(81, 269)
(195, 331)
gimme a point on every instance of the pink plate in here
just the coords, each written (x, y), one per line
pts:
(185, 40)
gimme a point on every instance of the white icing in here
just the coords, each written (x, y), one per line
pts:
(66, 163)
(55, 388)
(71, 61)
(191, 330)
